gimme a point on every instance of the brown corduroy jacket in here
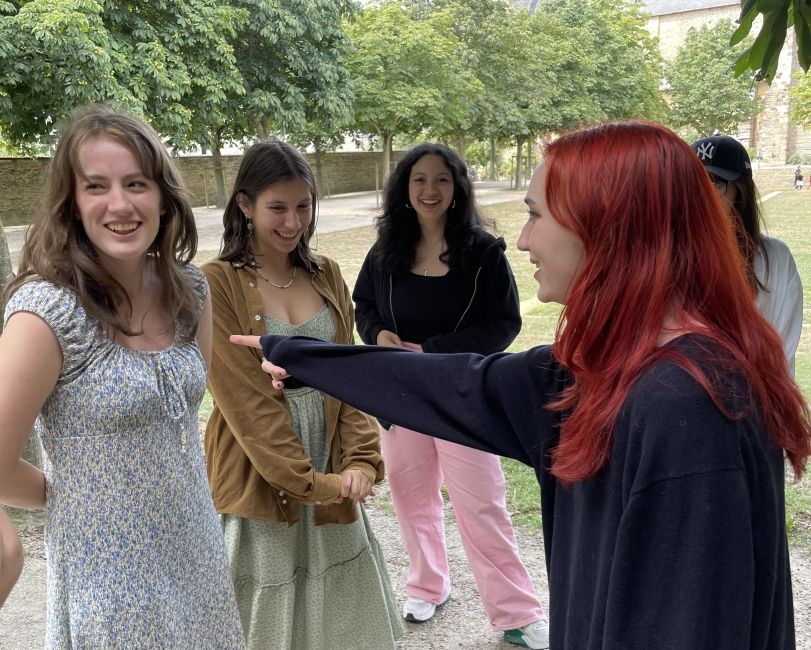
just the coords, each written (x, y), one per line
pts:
(257, 466)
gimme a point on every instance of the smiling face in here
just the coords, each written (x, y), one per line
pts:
(430, 188)
(556, 251)
(118, 204)
(280, 216)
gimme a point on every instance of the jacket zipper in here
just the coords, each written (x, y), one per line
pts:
(473, 295)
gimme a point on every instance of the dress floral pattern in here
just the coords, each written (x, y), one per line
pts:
(136, 557)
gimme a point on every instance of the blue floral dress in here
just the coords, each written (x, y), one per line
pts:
(136, 557)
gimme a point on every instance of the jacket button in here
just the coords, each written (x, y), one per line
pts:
(251, 284)
(257, 317)
(284, 500)
(281, 493)
(318, 503)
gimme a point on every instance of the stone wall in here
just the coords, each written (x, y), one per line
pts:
(22, 180)
(21, 189)
(672, 28)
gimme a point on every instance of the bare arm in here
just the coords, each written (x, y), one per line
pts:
(11, 556)
(30, 363)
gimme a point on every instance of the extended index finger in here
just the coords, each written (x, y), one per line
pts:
(242, 339)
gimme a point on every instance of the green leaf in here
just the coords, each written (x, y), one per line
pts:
(802, 28)
(745, 21)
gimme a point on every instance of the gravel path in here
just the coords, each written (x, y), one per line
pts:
(459, 624)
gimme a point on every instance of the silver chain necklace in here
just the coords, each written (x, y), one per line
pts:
(271, 282)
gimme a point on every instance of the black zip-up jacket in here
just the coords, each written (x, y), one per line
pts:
(489, 323)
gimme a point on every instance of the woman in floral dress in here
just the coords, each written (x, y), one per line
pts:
(107, 338)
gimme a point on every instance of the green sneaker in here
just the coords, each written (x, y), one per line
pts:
(535, 635)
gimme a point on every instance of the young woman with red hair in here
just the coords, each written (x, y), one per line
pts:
(658, 421)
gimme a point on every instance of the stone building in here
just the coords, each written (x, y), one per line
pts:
(771, 133)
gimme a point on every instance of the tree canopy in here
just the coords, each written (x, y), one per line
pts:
(407, 75)
(623, 66)
(169, 61)
(705, 94)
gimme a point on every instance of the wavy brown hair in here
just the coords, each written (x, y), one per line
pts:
(58, 250)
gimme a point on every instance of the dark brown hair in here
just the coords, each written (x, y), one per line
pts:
(265, 164)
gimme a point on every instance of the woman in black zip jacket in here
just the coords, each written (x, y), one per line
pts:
(437, 281)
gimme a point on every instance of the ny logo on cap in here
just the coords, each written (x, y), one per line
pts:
(706, 151)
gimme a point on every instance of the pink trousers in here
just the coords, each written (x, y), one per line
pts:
(415, 466)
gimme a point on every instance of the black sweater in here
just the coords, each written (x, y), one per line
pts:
(678, 542)
(488, 321)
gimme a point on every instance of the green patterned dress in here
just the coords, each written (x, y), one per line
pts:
(306, 586)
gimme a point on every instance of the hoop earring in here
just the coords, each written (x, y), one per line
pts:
(408, 206)
(453, 205)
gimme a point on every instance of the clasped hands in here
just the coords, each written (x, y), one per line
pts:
(354, 484)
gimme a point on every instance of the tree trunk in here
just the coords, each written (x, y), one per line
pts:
(492, 158)
(460, 145)
(387, 156)
(519, 146)
(262, 129)
(32, 451)
(216, 160)
(6, 271)
(528, 166)
(320, 181)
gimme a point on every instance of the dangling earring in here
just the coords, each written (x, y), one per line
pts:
(408, 206)
(250, 227)
(453, 205)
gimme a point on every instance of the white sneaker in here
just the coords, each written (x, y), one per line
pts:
(417, 610)
(535, 635)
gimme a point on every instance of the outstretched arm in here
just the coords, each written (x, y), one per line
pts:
(496, 403)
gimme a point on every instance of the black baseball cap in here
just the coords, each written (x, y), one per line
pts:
(723, 156)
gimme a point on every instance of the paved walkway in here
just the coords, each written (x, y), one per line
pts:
(340, 212)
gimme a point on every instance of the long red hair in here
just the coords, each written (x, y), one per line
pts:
(659, 248)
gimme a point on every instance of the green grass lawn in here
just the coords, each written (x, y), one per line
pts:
(787, 215)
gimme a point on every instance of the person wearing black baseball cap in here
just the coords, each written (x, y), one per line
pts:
(770, 266)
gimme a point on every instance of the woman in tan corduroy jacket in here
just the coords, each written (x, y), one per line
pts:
(288, 468)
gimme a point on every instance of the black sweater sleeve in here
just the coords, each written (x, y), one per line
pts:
(367, 316)
(495, 403)
(499, 319)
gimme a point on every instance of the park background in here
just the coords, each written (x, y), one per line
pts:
(354, 84)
